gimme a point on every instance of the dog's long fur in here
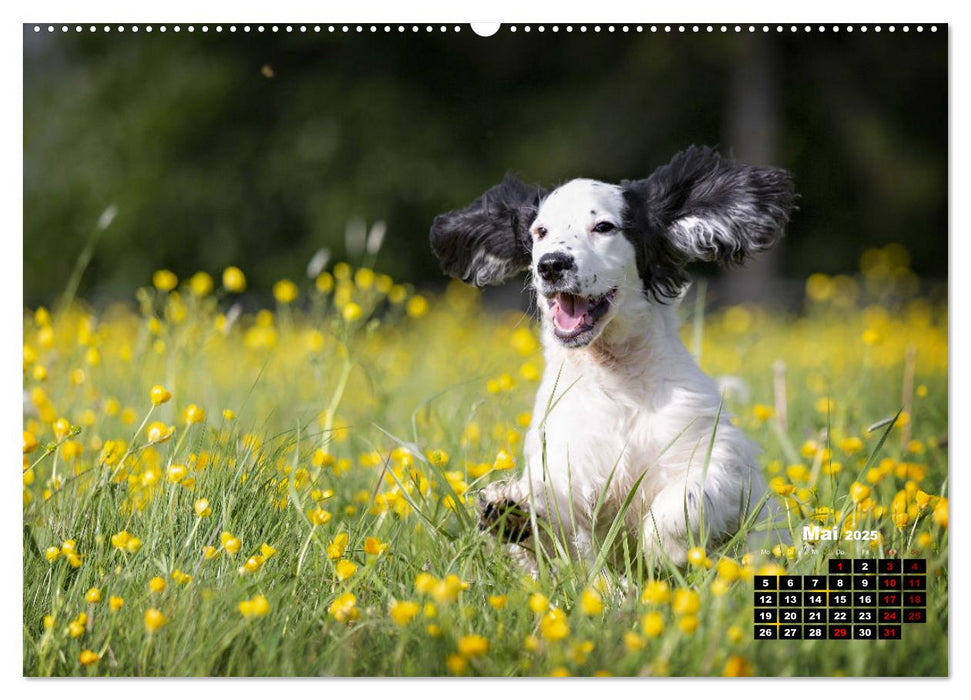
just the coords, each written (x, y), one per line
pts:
(627, 398)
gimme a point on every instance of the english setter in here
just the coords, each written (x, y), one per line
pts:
(622, 404)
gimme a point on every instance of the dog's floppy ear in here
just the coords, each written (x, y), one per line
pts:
(706, 207)
(488, 241)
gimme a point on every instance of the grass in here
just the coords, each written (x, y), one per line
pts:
(339, 441)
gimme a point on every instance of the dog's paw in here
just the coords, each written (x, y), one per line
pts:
(503, 516)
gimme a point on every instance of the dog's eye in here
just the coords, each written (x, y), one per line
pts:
(604, 227)
(541, 232)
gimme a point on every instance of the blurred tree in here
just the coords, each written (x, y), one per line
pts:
(256, 149)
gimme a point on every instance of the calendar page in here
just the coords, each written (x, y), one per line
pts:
(543, 349)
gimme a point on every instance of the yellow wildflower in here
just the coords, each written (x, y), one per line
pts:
(154, 619)
(403, 611)
(234, 280)
(473, 645)
(345, 569)
(591, 603)
(652, 624)
(159, 395)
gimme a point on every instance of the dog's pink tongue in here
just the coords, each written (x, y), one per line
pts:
(569, 311)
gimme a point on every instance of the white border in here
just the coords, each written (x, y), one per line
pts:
(603, 12)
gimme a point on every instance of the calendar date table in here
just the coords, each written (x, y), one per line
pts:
(869, 599)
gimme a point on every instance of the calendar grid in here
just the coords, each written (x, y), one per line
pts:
(867, 599)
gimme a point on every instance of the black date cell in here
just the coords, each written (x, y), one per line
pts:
(839, 631)
(915, 615)
(766, 583)
(889, 566)
(864, 566)
(767, 616)
(915, 566)
(766, 632)
(888, 631)
(816, 582)
(840, 566)
(766, 600)
(814, 632)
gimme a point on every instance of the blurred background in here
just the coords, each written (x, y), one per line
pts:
(258, 149)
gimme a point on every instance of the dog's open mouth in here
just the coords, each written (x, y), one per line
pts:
(575, 316)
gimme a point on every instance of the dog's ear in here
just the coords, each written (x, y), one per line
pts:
(488, 241)
(706, 207)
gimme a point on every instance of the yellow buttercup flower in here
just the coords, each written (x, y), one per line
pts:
(258, 606)
(88, 657)
(656, 593)
(202, 508)
(234, 280)
(335, 550)
(504, 460)
(176, 473)
(498, 602)
(344, 609)
(858, 491)
(417, 306)
(158, 432)
(762, 412)
(473, 645)
(634, 641)
(230, 543)
(30, 442)
(403, 611)
(318, 516)
(115, 603)
(165, 280)
(157, 584)
(373, 546)
(591, 603)
(652, 624)
(93, 595)
(688, 624)
(345, 569)
(728, 570)
(685, 602)
(154, 619)
(159, 395)
(285, 291)
(737, 666)
(201, 284)
(194, 414)
(553, 625)
(456, 664)
(539, 603)
(352, 312)
(698, 557)
(62, 428)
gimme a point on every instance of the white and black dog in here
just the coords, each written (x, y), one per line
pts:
(621, 396)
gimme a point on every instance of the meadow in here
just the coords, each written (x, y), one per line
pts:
(212, 490)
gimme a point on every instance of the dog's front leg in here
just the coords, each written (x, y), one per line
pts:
(673, 511)
(504, 510)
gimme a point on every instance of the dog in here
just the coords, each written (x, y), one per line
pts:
(622, 405)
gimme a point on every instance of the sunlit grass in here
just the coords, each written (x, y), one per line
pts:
(291, 491)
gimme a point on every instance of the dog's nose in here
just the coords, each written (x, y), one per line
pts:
(552, 265)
